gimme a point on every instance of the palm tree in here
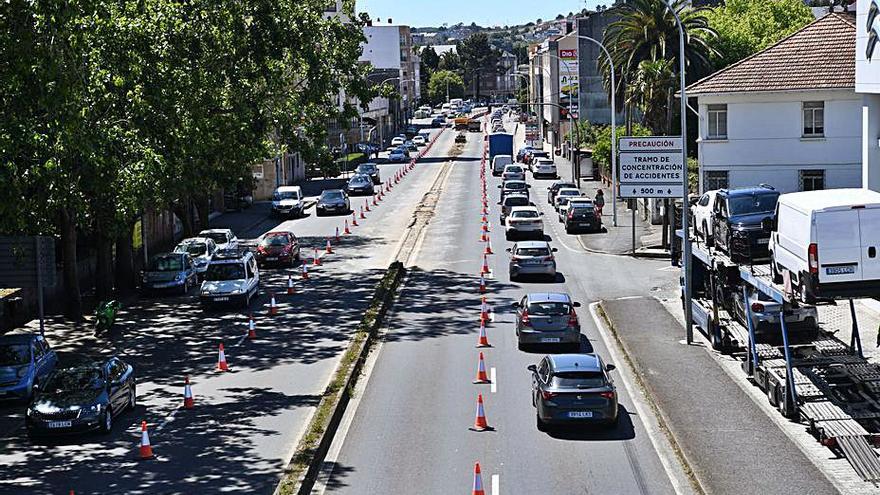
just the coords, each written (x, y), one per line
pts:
(651, 90)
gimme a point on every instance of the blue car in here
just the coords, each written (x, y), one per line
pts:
(25, 359)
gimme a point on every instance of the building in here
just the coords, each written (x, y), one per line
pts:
(594, 103)
(868, 88)
(788, 116)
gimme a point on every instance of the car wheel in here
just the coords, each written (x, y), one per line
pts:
(107, 421)
(774, 271)
(542, 426)
(132, 397)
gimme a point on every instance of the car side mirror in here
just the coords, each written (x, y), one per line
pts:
(610, 367)
(529, 186)
(533, 368)
(508, 250)
(541, 213)
(499, 186)
(554, 250)
(718, 215)
(576, 304)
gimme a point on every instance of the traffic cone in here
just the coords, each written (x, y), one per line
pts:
(485, 268)
(337, 234)
(354, 220)
(252, 328)
(221, 360)
(481, 371)
(366, 204)
(273, 307)
(363, 217)
(483, 237)
(484, 309)
(347, 232)
(291, 290)
(483, 340)
(483, 219)
(317, 259)
(482, 285)
(188, 400)
(329, 249)
(478, 481)
(480, 423)
(146, 450)
(488, 247)
(374, 201)
(486, 227)
(305, 272)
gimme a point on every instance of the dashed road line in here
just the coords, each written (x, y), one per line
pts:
(496, 484)
(494, 379)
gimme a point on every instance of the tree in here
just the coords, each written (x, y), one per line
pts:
(478, 58)
(440, 81)
(652, 90)
(745, 27)
(430, 59)
(560, 17)
(449, 61)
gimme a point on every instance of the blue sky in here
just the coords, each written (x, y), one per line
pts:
(419, 13)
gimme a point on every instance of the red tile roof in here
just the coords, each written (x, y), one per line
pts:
(822, 55)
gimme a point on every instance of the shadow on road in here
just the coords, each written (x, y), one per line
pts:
(624, 430)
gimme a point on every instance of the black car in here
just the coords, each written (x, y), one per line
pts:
(582, 218)
(738, 216)
(360, 185)
(371, 170)
(82, 398)
(333, 201)
(573, 389)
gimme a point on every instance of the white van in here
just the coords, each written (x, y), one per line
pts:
(829, 243)
(499, 162)
(288, 201)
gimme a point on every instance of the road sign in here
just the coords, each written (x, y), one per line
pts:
(650, 143)
(27, 262)
(651, 191)
(651, 167)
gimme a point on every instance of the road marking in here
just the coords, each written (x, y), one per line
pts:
(167, 419)
(669, 269)
(492, 378)
(496, 484)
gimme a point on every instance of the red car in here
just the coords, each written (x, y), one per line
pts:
(278, 248)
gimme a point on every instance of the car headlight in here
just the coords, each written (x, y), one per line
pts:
(23, 371)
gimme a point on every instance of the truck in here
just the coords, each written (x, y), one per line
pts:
(461, 122)
(500, 144)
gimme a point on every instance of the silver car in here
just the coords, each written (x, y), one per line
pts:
(524, 221)
(547, 318)
(513, 172)
(532, 258)
(802, 320)
(201, 249)
(573, 388)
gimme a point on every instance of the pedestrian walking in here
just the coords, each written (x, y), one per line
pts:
(599, 201)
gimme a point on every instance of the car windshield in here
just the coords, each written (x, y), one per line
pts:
(14, 354)
(366, 169)
(331, 195)
(579, 379)
(549, 308)
(525, 214)
(218, 237)
(166, 264)
(517, 200)
(74, 379)
(569, 192)
(358, 179)
(193, 248)
(514, 185)
(532, 251)
(753, 203)
(224, 271)
(278, 196)
(274, 240)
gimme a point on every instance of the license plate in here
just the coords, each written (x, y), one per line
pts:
(59, 424)
(219, 299)
(763, 241)
(271, 258)
(840, 270)
(580, 414)
(550, 340)
(530, 262)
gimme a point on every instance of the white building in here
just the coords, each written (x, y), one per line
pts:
(787, 116)
(868, 88)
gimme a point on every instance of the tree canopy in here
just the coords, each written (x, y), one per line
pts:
(437, 86)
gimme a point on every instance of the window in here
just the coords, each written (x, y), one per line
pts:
(812, 180)
(704, 201)
(717, 122)
(814, 118)
(716, 179)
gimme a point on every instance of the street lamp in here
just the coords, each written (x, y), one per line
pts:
(570, 119)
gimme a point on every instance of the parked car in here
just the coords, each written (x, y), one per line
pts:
(223, 238)
(555, 187)
(524, 221)
(828, 241)
(547, 318)
(278, 248)
(81, 398)
(371, 170)
(582, 217)
(510, 200)
(738, 217)
(398, 155)
(499, 162)
(332, 201)
(532, 258)
(544, 168)
(169, 271)
(232, 277)
(288, 201)
(360, 185)
(513, 172)
(567, 202)
(564, 194)
(572, 389)
(802, 320)
(25, 360)
(701, 212)
(513, 186)
(200, 250)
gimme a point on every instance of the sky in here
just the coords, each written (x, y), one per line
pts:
(421, 13)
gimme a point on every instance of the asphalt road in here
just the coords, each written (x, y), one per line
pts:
(411, 429)
(248, 421)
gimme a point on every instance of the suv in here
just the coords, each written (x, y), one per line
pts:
(737, 221)
(701, 212)
(370, 169)
(232, 276)
(288, 201)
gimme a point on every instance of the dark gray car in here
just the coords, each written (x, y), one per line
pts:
(547, 318)
(573, 388)
(170, 271)
(333, 201)
(532, 258)
(371, 170)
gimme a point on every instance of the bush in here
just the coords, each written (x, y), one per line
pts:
(602, 146)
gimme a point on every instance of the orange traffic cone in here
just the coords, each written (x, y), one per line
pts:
(317, 259)
(363, 217)
(482, 377)
(273, 307)
(483, 340)
(485, 226)
(374, 201)
(485, 269)
(488, 247)
(146, 450)
(291, 290)
(366, 204)
(480, 423)
(337, 234)
(252, 328)
(354, 220)
(221, 360)
(329, 249)
(482, 285)
(305, 272)
(478, 481)
(346, 228)
(188, 400)
(483, 237)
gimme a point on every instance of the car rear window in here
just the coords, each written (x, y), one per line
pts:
(515, 185)
(516, 170)
(579, 379)
(568, 192)
(549, 308)
(516, 201)
(582, 210)
(532, 252)
(525, 214)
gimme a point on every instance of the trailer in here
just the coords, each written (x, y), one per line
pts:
(806, 373)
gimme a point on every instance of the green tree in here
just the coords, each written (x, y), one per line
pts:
(430, 59)
(652, 90)
(449, 61)
(745, 27)
(440, 81)
(478, 59)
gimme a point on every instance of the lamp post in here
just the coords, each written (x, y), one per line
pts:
(571, 123)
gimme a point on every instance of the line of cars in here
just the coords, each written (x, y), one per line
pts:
(566, 388)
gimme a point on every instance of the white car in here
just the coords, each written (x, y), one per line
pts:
(565, 194)
(223, 238)
(231, 277)
(701, 213)
(419, 140)
(397, 141)
(288, 201)
(200, 249)
(571, 202)
(544, 168)
(513, 172)
(524, 221)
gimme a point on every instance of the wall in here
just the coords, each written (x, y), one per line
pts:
(765, 143)
(594, 102)
(382, 48)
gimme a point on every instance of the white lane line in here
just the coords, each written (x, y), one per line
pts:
(496, 484)
(167, 419)
(492, 378)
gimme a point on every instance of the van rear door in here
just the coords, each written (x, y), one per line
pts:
(869, 223)
(839, 243)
